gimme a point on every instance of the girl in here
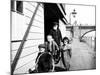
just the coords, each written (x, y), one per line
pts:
(66, 53)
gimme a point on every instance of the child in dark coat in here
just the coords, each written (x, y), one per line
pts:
(41, 50)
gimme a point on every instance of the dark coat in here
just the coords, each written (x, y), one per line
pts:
(56, 34)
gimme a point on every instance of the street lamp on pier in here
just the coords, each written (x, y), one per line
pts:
(73, 14)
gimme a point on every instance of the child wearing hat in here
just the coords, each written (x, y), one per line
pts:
(41, 50)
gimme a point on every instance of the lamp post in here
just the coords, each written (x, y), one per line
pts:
(74, 15)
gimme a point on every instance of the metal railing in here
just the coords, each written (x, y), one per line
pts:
(90, 41)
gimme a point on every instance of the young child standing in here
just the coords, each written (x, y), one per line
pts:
(66, 53)
(52, 47)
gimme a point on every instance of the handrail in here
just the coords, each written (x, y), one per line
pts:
(15, 61)
(86, 33)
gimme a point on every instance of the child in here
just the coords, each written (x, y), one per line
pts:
(52, 47)
(66, 53)
(66, 45)
(41, 50)
(44, 63)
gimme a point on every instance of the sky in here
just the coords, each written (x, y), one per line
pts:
(85, 14)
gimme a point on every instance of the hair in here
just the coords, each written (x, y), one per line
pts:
(44, 62)
(65, 38)
(49, 35)
(55, 23)
(41, 46)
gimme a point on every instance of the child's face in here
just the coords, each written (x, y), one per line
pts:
(42, 49)
(49, 38)
(66, 42)
(55, 27)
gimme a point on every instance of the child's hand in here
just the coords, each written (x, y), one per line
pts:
(60, 54)
(61, 44)
(65, 48)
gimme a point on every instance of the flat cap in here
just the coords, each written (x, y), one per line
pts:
(41, 46)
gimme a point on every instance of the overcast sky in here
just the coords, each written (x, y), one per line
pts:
(85, 14)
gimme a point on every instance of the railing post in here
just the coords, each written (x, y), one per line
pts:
(13, 66)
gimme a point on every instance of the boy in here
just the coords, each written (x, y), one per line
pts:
(41, 50)
(52, 48)
(45, 63)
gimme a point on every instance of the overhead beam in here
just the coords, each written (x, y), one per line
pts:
(63, 13)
